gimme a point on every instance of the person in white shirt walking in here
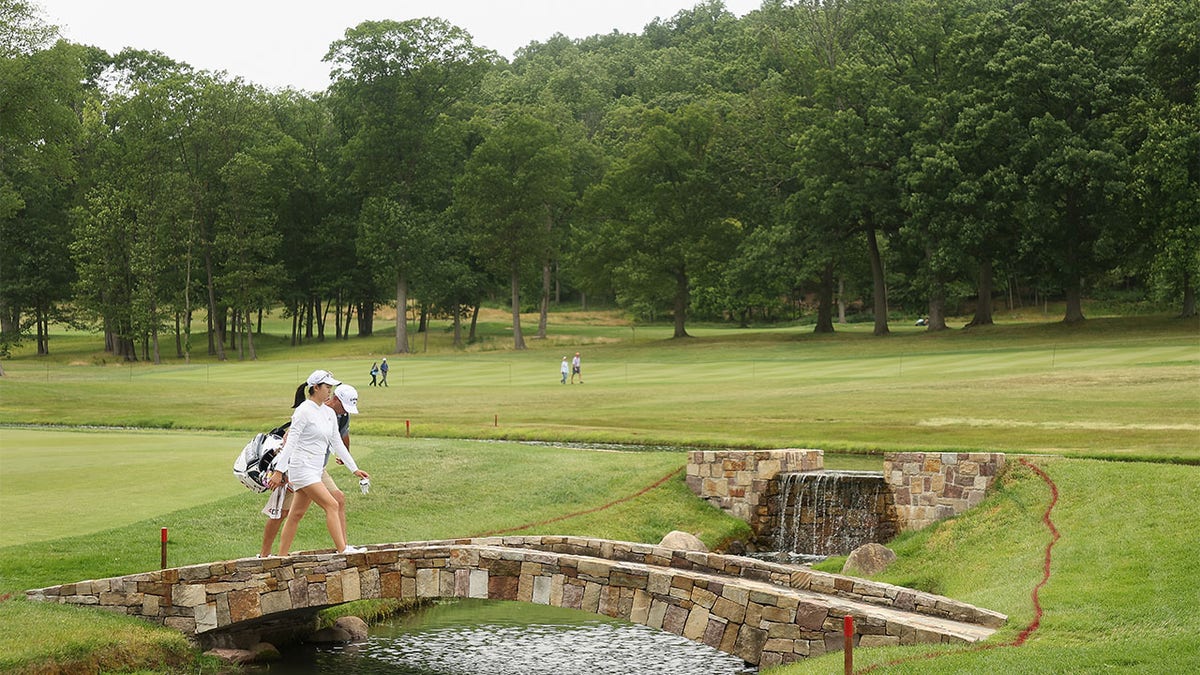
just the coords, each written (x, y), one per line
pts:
(314, 431)
(344, 403)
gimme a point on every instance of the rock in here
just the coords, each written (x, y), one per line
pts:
(682, 541)
(265, 652)
(869, 559)
(331, 634)
(736, 547)
(355, 626)
(238, 657)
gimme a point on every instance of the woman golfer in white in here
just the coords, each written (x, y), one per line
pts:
(313, 433)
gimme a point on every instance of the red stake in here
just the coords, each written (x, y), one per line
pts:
(848, 635)
(406, 427)
(164, 548)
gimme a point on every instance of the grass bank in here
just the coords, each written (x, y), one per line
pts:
(78, 504)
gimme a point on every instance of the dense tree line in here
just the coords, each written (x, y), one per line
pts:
(928, 155)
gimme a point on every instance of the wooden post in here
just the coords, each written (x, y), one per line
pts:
(164, 548)
(848, 636)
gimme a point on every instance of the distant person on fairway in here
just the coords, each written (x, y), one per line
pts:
(374, 374)
(383, 368)
(563, 369)
(344, 402)
(575, 369)
(314, 431)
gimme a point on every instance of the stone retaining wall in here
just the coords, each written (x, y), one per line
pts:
(931, 486)
(738, 481)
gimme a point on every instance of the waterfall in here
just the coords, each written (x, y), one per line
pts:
(823, 513)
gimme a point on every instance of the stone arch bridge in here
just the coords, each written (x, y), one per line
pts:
(762, 612)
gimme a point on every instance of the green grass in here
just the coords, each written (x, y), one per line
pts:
(1113, 387)
(1122, 595)
(78, 504)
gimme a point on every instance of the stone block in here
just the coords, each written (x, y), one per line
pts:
(658, 612)
(591, 597)
(749, 644)
(477, 585)
(572, 595)
(640, 612)
(318, 594)
(696, 624)
(206, 617)
(277, 601)
(503, 588)
(675, 619)
(188, 595)
(723, 607)
(541, 590)
(427, 583)
(879, 641)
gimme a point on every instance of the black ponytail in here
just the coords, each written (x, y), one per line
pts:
(300, 396)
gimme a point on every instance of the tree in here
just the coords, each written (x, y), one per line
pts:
(39, 128)
(663, 223)
(1064, 75)
(396, 93)
(511, 187)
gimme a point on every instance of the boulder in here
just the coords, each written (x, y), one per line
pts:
(265, 652)
(355, 626)
(239, 657)
(682, 541)
(332, 634)
(868, 559)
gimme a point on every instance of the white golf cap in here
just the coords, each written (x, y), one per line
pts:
(322, 377)
(348, 395)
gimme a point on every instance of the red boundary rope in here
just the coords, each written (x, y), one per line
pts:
(635, 495)
(1037, 605)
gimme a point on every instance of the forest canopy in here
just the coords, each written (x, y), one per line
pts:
(924, 157)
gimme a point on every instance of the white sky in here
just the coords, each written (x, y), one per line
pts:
(278, 43)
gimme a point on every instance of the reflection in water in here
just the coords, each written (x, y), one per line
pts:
(478, 637)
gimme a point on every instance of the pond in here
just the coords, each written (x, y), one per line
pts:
(489, 637)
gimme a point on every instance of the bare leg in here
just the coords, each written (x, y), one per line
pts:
(340, 498)
(300, 504)
(269, 533)
(318, 493)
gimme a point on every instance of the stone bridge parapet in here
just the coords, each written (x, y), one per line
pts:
(765, 613)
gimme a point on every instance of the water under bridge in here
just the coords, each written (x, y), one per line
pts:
(765, 613)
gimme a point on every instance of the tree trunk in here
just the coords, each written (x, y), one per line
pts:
(250, 337)
(841, 300)
(518, 339)
(1074, 302)
(43, 346)
(1189, 297)
(474, 322)
(457, 312)
(937, 308)
(401, 313)
(216, 339)
(825, 301)
(881, 309)
(983, 308)
(155, 354)
(545, 308)
(337, 317)
(366, 318)
(349, 318)
(682, 298)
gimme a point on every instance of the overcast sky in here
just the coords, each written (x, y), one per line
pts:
(278, 43)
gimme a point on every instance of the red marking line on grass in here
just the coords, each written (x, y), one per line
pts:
(635, 495)
(1037, 605)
